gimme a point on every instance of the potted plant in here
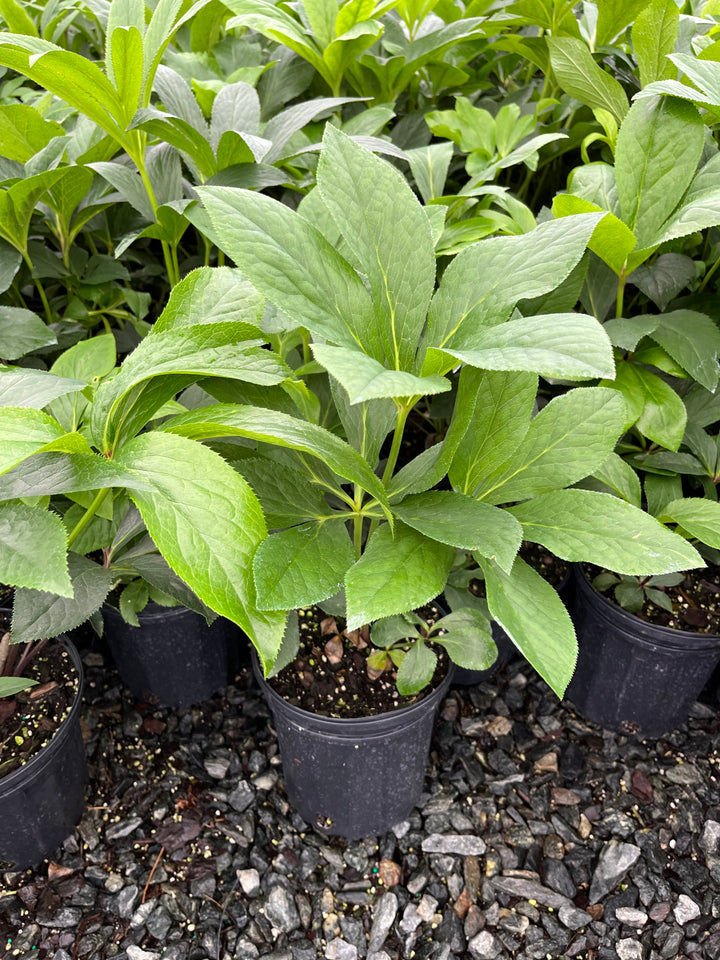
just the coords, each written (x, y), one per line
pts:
(92, 451)
(382, 546)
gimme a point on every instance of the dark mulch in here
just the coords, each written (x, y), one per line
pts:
(593, 845)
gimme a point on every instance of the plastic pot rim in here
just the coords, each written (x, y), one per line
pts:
(642, 630)
(33, 768)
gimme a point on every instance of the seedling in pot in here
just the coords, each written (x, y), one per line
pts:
(632, 593)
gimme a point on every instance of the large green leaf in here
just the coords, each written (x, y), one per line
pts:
(23, 132)
(302, 565)
(274, 427)
(294, 266)
(20, 387)
(17, 203)
(612, 240)
(462, 522)
(614, 16)
(620, 477)
(24, 432)
(22, 331)
(697, 517)
(38, 614)
(504, 406)
(485, 281)
(33, 549)
(207, 523)
(568, 345)
(397, 572)
(366, 379)
(692, 340)
(534, 617)
(568, 440)
(579, 75)
(658, 149)
(389, 235)
(164, 363)
(598, 527)
(89, 360)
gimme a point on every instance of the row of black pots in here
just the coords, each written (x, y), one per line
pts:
(631, 677)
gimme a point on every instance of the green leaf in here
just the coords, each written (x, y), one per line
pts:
(128, 184)
(693, 341)
(366, 379)
(49, 473)
(568, 345)
(33, 549)
(211, 295)
(429, 166)
(23, 132)
(32, 388)
(89, 360)
(127, 60)
(630, 596)
(274, 427)
(657, 153)
(38, 614)
(207, 523)
(302, 565)
(9, 686)
(294, 266)
(396, 573)
(614, 16)
(19, 21)
(568, 440)
(621, 478)
(465, 523)
(365, 425)
(534, 617)
(664, 279)
(654, 35)
(698, 517)
(485, 281)
(75, 79)
(579, 75)
(132, 600)
(468, 639)
(627, 539)
(389, 235)
(416, 670)
(21, 332)
(504, 406)
(286, 496)
(653, 404)
(25, 431)
(612, 240)
(404, 626)
(164, 363)
(17, 203)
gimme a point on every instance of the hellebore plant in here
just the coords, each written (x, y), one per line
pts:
(81, 442)
(354, 268)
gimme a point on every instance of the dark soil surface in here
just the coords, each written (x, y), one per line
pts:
(550, 567)
(30, 719)
(695, 602)
(330, 675)
(537, 835)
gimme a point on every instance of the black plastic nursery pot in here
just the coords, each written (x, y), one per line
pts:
(43, 800)
(173, 659)
(354, 777)
(632, 676)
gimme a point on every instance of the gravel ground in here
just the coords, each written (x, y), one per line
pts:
(538, 836)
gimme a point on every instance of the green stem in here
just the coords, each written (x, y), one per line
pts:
(709, 274)
(40, 288)
(139, 159)
(357, 535)
(88, 515)
(622, 280)
(403, 413)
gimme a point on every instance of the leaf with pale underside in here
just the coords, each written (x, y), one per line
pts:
(396, 573)
(579, 75)
(44, 474)
(599, 528)
(534, 617)
(33, 388)
(366, 379)
(33, 549)
(568, 440)
(302, 565)
(462, 522)
(207, 523)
